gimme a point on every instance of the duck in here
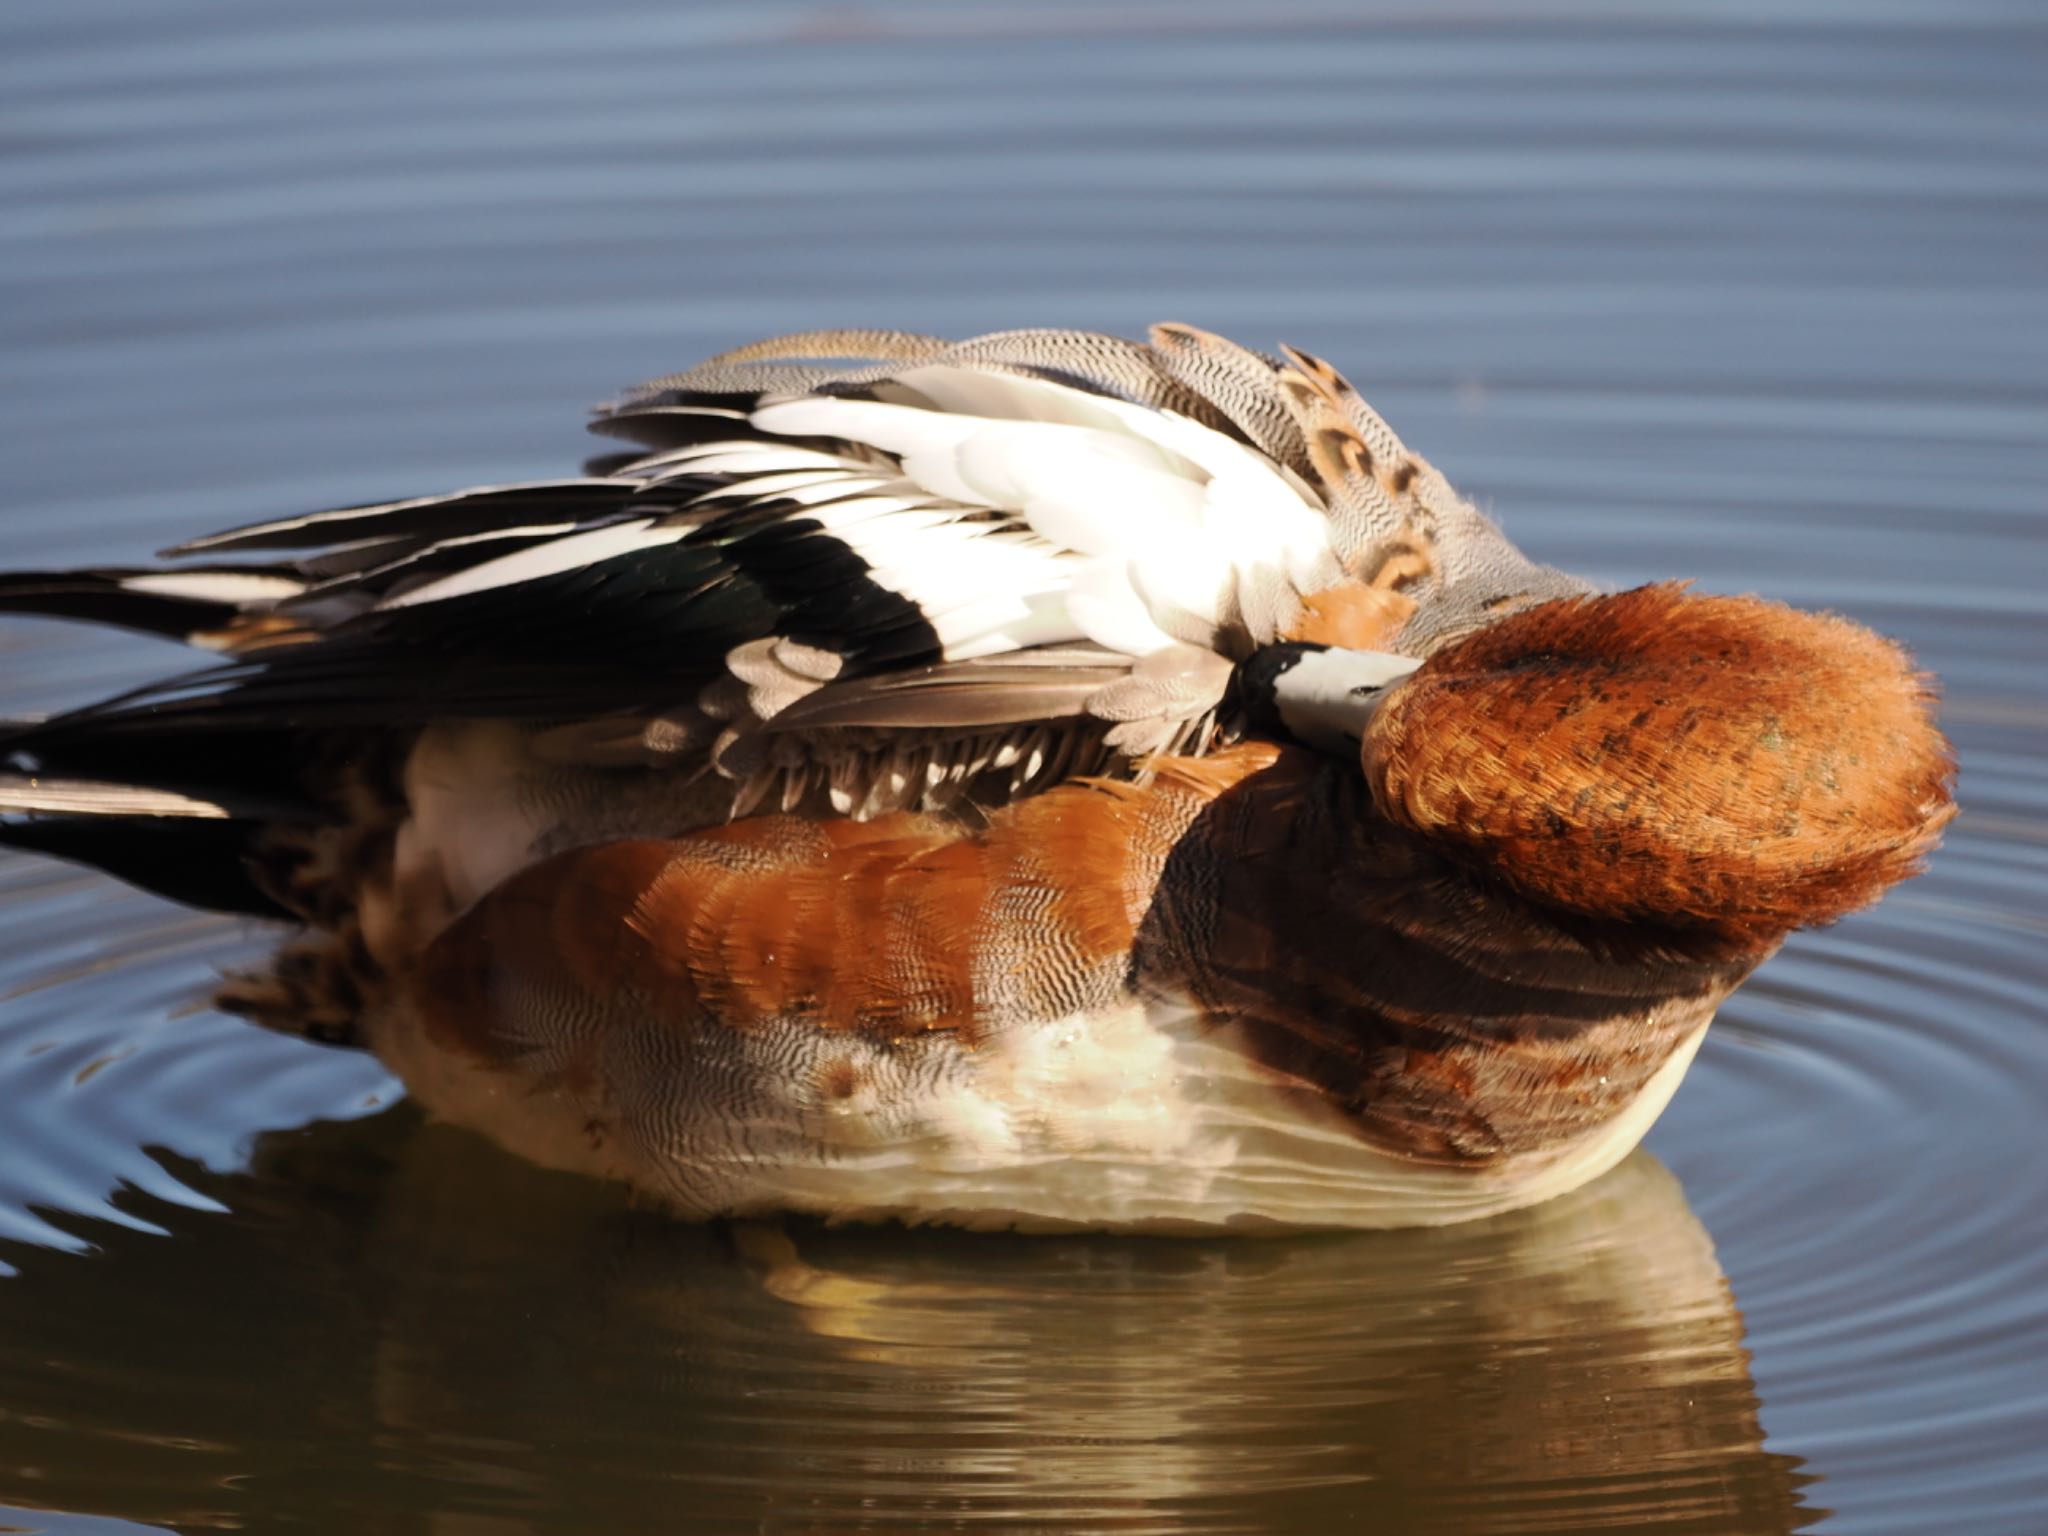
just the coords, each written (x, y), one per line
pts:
(1041, 781)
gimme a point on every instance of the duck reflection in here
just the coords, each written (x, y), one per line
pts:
(427, 1335)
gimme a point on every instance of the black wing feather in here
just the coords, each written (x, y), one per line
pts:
(427, 519)
(97, 596)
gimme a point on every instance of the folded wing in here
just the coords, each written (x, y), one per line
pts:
(880, 569)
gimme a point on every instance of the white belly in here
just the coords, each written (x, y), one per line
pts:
(1132, 1119)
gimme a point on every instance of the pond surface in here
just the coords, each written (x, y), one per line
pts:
(1750, 293)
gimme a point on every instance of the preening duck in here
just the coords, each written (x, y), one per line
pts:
(1041, 780)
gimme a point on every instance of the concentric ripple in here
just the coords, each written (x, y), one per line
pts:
(108, 1058)
(1865, 1140)
(1744, 293)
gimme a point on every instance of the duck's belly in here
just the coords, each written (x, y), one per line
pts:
(1138, 1117)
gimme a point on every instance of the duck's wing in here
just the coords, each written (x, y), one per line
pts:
(861, 544)
(1302, 420)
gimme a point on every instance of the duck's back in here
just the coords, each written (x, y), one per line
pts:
(850, 573)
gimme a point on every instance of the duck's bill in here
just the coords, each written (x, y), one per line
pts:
(1321, 696)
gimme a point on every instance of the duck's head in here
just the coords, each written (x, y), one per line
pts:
(1719, 769)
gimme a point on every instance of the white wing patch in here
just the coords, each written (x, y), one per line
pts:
(1134, 490)
(549, 559)
(215, 586)
(1017, 513)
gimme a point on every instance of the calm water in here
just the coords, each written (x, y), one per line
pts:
(1752, 293)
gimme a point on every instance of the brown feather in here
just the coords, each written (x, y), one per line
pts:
(1719, 764)
(1371, 954)
(1367, 611)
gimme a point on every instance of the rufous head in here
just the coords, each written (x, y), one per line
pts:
(1725, 769)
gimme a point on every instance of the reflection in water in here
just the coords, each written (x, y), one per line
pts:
(518, 1351)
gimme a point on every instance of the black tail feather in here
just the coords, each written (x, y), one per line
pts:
(202, 863)
(186, 605)
(250, 775)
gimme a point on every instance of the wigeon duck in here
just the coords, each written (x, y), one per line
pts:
(1042, 780)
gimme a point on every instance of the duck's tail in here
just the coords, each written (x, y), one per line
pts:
(218, 607)
(218, 823)
(188, 816)
(223, 823)
(191, 848)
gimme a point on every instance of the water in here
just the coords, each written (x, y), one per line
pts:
(1748, 293)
